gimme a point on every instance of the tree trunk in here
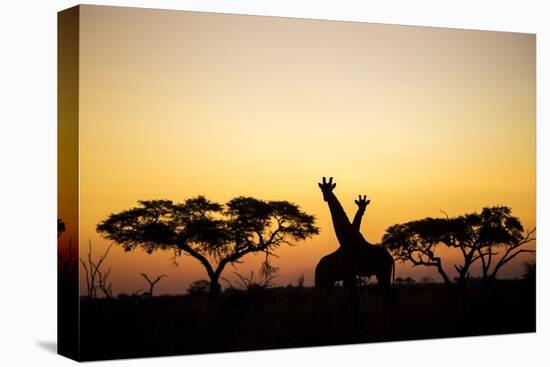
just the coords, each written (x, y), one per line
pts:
(446, 279)
(464, 270)
(484, 269)
(215, 287)
(462, 279)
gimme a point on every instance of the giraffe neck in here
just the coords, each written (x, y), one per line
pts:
(357, 219)
(347, 236)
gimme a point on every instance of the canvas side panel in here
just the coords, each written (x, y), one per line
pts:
(67, 181)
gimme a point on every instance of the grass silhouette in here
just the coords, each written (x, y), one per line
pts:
(286, 317)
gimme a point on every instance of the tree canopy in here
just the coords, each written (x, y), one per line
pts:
(479, 236)
(212, 233)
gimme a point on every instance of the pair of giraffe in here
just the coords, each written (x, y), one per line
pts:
(355, 256)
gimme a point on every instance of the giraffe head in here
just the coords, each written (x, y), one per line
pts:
(362, 202)
(326, 187)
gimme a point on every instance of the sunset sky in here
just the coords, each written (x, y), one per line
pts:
(176, 104)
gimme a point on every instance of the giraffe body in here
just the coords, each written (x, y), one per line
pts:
(355, 256)
(366, 261)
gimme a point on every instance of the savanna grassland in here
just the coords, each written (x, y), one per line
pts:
(256, 318)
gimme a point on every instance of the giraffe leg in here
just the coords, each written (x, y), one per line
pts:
(384, 280)
(350, 284)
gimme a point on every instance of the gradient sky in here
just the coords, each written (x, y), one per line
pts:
(176, 104)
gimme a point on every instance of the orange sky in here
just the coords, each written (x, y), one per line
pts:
(176, 104)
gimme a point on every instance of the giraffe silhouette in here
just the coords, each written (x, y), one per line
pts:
(355, 256)
(331, 268)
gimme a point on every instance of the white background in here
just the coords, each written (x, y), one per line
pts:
(28, 182)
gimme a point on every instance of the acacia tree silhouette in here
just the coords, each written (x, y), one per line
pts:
(214, 234)
(416, 242)
(497, 229)
(478, 236)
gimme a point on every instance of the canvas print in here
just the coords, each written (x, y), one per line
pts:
(235, 183)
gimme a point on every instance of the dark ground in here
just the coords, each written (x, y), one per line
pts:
(297, 317)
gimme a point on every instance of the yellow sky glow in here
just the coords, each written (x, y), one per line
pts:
(176, 104)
